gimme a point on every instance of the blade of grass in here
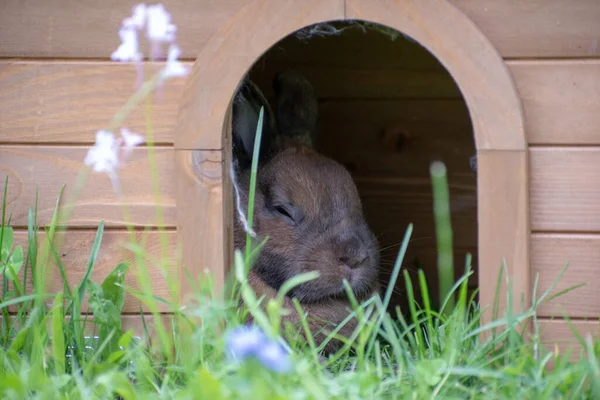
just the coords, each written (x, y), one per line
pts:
(391, 284)
(58, 339)
(253, 172)
(441, 211)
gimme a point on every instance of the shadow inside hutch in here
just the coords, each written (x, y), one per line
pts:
(387, 109)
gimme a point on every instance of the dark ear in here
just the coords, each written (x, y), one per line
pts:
(297, 107)
(245, 114)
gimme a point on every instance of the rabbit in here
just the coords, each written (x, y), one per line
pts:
(308, 206)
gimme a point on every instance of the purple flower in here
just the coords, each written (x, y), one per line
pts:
(273, 356)
(251, 342)
(243, 341)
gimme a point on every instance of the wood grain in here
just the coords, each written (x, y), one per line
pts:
(557, 335)
(561, 100)
(47, 169)
(537, 28)
(377, 82)
(88, 29)
(503, 228)
(359, 62)
(75, 251)
(391, 204)
(565, 189)
(84, 29)
(67, 102)
(363, 48)
(202, 221)
(229, 54)
(549, 254)
(397, 138)
(475, 65)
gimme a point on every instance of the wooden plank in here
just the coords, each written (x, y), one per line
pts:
(391, 204)
(503, 228)
(358, 62)
(45, 102)
(565, 189)
(561, 100)
(475, 65)
(47, 169)
(549, 253)
(377, 82)
(229, 54)
(397, 138)
(83, 29)
(557, 335)
(67, 102)
(202, 222)
(75, 251)
(354, 46)
(86, 29)
(537, 28)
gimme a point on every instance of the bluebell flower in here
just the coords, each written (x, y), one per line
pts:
(273, 356)
(251, 342)
(243, 341)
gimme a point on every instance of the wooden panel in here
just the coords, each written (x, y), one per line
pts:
(390, 205)
(561, 100)
(67, 102)
(557, 334)
(538, 28)
(397, 138)
(358, 63)
(227, 57)
(75, 251)
(373, 83)
(88, 29)
(503, 218)
(565, 189)
(549, 253)
(202, 220)
(47, 169)
(474, 63)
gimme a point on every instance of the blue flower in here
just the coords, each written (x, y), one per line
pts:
(273, 356)
(251, 342)
(243, 341)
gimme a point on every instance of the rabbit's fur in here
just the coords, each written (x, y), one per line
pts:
(307, 205)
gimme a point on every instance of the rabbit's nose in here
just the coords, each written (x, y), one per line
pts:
(352, 254)
(353, 262)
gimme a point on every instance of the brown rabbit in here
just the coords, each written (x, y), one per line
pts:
(308, 206)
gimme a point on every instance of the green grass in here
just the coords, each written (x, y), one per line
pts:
(51, 350)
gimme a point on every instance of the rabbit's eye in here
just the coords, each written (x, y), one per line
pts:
(281, 210)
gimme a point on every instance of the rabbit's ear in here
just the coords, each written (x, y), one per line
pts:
(245, 115)
(297, 107)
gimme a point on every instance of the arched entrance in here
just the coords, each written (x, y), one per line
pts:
(202, 134)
